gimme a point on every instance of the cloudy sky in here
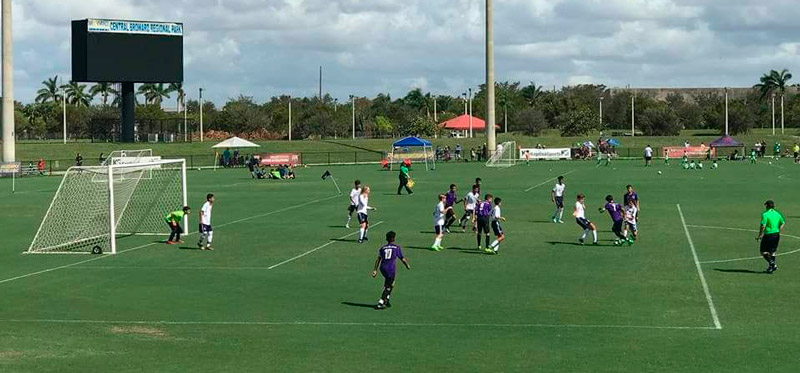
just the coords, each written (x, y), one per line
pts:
(263, 48)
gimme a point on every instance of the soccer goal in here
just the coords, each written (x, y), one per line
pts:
(504, 156)
(94, 206)
(130, 156)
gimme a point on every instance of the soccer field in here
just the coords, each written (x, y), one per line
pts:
(288, 287)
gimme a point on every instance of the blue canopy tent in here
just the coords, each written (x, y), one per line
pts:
(404, 145)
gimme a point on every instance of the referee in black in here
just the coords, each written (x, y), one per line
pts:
(769, 234)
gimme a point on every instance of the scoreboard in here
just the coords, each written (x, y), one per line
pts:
(105, 50)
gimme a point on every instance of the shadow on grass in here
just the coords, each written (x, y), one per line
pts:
(345, 240)
(739, 271)
(189, 248)
(417, 248)
(588, 244)
(360, 305)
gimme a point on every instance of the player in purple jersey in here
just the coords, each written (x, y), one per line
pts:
(630, 195)
(387, 255)
(483, 215)
(615, 212)
(450, 199)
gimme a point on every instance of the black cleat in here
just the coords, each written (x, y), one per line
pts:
(580, 240)
(360, 241)
(388, 304)
(380, 307)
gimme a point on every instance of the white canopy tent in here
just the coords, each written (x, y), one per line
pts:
(233, 142)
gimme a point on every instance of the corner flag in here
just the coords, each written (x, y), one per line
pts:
(327, 175)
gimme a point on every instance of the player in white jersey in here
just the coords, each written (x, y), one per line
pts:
(362, 211)
(580, 217)
(354, 193)
(631, 218)
(206, 232)
(470, 202)
(439, 213)
(499, 235)
(557, 197)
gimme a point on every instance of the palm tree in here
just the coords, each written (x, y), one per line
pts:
(773, 81)
(532, 93)
(104, 90)
(181, 99)
(154, 94)
(50, 91)
(77, 95)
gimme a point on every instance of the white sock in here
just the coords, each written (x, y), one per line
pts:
(209, 237)
(348, 219)
(494, 244)
(585, 232)
(594, 235)
(363, 233)
(497, 248)
(437, 241)
(560, 213)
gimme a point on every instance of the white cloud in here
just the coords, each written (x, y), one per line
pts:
(270, 47)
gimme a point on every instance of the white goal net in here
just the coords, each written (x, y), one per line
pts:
(95, 205)
(505, 155)
(130, 156)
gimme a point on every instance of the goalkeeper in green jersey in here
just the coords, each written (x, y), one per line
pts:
(174, 221)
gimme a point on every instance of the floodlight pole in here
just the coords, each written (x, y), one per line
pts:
(290, 114)
(464, 95)
(782, 117)
(435, 117)
(470, 112)
(490, 134)
(185, 120)
(64, 111)
(633, 114)
(353, 105)
(773, 114)
(8, 85)
(726, 111)
(201, 114)
(601, 112)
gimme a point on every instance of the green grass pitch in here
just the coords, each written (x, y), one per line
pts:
(545, 304)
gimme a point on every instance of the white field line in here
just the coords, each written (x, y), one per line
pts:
(154, 243)
(547, 181)
(320, 247)
(741, 230)
(710, 301)
(362, 324)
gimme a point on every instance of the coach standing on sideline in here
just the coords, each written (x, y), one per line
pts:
(404, 179)
(769, 234)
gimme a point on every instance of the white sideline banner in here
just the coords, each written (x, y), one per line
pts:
(545, 154)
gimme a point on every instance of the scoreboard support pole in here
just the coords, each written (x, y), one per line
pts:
(128, 108)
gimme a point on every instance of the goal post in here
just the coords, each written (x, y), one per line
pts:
(95, 205)
(505, 155)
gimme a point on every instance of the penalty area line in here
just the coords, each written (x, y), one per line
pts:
(357, 324)
(700, 274)
(547, 181)
(43, 271)
(320, 247)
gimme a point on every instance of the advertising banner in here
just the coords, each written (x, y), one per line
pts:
(9, 168)
(696, 152)
(275, 159)
(545, 154)
(134, 27)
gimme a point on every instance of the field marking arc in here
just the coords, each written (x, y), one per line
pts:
(364, 324)
(547, 181)
(47, 270)
(330, 242)
(742, 230)
(711, 308)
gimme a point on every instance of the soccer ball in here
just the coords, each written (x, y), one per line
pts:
(659, 172)
(700, 166)
(198, 169)
(770, 163)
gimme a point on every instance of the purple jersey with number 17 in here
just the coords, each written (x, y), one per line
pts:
(615, 210)
(389, 253)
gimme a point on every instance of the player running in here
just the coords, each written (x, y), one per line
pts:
(580, 217)
(206, 232)
(470, 203)
(439, 216)
(557, 197)
(631, 221)
(354, 193)
(615, 211)
(387, 255)
(450, 199)
(174, 221)
(631, 195)
(362, 211)
(772, 223)
(497, 216)
(483, 214)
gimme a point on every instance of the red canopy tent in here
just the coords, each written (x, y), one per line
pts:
(461, 123)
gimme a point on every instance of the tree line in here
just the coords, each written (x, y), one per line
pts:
(529, 109)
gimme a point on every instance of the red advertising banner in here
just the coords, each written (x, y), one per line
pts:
(275, 159)
(691, 152)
